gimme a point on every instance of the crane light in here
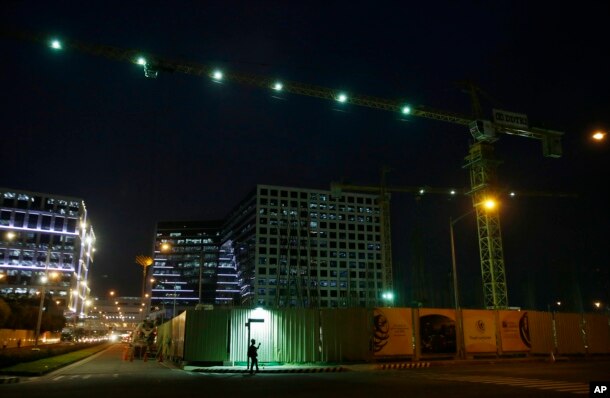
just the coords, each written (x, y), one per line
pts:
(141, 61)
(217, 75)
(56, 44)
(278, 86)
(342, 97)
(406, 110)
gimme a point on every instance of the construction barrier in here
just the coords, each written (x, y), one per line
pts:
(380, 334)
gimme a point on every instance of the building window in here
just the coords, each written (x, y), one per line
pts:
(46, 222)
(59, 224)
(19, 218)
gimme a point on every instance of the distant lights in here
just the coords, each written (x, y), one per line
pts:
(277, 86)
(141, 61)
(406, 110)
(422, 191)
(512, 194)
(599, 135)
(452, 192)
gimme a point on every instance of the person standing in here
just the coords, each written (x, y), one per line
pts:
(253, 355)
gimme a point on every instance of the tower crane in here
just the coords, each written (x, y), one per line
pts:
(480, 160)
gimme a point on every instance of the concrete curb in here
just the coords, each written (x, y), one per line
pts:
(288, 370)
(9, 380)
(404, 365)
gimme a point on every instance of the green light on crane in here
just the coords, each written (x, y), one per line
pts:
(217, 75)
(342, 97)
(278, 86)
(406, 110)
(55, 44)
(141, 61)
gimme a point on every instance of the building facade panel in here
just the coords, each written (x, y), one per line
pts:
(45, 237)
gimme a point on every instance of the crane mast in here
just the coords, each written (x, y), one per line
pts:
(479, 161)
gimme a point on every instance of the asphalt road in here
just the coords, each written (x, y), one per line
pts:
(107, 375)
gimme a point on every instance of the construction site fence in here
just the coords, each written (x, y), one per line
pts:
(372, 334)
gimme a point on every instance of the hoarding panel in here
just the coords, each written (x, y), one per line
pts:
(514, 330)
(598, 333)
(541, 332)
(437, 331)
(569, 333)
(479, 331)
(392, 332)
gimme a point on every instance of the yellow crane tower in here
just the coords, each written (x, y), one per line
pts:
(480, 160)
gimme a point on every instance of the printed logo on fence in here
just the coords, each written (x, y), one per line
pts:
(599, 389)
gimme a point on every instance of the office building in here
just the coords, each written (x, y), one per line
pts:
(184, 272)
(294, 247)
(47, 244)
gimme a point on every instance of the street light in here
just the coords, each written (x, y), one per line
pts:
(44, 281)
(599, 135)
(388, 298)
(489, 204)
(145, 262)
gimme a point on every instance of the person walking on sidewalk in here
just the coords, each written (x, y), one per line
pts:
(253, 355)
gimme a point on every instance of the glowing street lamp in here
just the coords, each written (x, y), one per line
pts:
(145, 262)
(599, 135)
(489, 204)
(44, 280)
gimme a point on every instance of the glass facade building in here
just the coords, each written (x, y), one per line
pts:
(47, 242)
(280, 247)
(295, 247)
(184, 272)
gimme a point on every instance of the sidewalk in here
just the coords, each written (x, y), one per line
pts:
(367, 367)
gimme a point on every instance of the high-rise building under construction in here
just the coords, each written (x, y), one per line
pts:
(294, 247)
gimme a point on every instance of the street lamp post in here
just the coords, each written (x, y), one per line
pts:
(489, 204)
(43, 292)
(456, 296)
(145, 262)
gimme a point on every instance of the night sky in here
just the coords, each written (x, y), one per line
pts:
(180, 147)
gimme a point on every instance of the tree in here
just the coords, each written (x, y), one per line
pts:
(5, 313)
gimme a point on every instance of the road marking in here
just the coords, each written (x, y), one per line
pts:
(57, 378)
(86, 376)
(540, 384)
